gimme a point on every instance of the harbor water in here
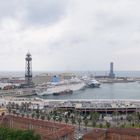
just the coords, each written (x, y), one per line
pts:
(106, 91)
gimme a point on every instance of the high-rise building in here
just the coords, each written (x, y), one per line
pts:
(28, 69)
(111, 74)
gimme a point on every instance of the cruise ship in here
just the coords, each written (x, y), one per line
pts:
(63, 87)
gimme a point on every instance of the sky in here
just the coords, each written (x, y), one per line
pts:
(70, 35)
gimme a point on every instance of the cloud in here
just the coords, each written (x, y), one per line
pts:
(70, 35)
(45, 12)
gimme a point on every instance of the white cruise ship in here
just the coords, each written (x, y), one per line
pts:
(63, 87)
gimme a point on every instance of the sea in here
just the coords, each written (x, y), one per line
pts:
(106, 91)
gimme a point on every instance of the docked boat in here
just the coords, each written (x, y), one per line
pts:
(63, 87)
(93, 83)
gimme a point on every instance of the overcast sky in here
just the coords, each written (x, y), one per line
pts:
(70, 34)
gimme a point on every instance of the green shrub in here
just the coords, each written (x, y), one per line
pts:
(13, 134)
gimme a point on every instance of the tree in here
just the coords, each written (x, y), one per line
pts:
(116, 114)
(33, 115)
(12, 134)
(17, 106)
(14, 112)
(27, 115)
(37, 115)
(79, 122)
(54, 118)
(9, 107)
(42, 117)
(60, 119)
(138, 114)
(22, 115)
(129, 118)
(108, 124)
(13, 105)
(48, 117)
(73, 120)
(135, 117)
(93, 123)
(66, 120)
(94, 115)
(101, 125)
(86, 122)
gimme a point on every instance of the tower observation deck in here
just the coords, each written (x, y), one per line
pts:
(28, 69)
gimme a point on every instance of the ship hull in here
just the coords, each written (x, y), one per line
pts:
(62, 88)
(63, 92)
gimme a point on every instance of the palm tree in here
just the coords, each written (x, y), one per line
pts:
(60, 119)
(94, 115)
(100, 125)
(116, 114)
(37, 115)
(48, 117)
(135, 117)
(14, 112)
(13, 105)
(93, 123)
(54, 118)
(33, 115)
(26, 106)
(9, 107)
(22, 115)
(17, 106)
(86, 123)
(79, 122)
(9, 110)
(22, 106)
(37, 111)
(66, 120)
(138, 117)
(108, 124)
(42, 117)
(73, 120)
(27, 115)
(129, 118)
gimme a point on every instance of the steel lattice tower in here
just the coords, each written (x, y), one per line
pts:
(28, 69)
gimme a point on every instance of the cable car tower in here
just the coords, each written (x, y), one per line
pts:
(28, 69)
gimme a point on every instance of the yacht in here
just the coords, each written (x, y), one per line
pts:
(92, 83)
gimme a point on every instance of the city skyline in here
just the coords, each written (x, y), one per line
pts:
(70, 35)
